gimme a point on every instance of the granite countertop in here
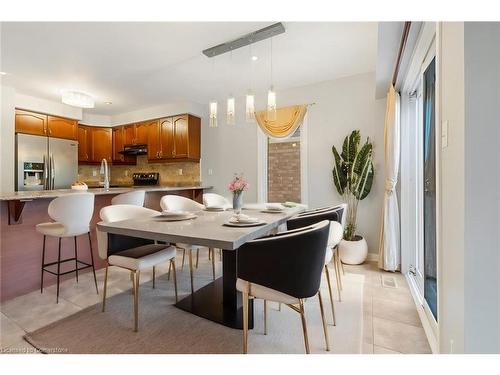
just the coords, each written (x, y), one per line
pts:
(29, 195)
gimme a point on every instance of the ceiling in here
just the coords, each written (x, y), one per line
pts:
(138, 65)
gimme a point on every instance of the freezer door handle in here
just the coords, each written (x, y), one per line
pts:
(52, 172)
(45, 174)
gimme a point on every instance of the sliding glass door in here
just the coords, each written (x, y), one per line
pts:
(429, 187)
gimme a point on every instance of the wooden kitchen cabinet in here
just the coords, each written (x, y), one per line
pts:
(175, 138)
(94, 144)
(60, 127)
(153, 140)
(83, 137)
(141, 132)
(118, 136)
(101, 144)
(30, 122)
(136, 134)
(129, 134)
(34, 123)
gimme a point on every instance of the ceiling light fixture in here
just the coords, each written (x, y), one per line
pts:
(250, 98)
(230, 110)
(213, 115)
(3, 73)
(77, 99)
(108, 103)
(213, 105)
(271, 94)
(255, 58)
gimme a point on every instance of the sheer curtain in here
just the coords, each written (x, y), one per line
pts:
(389, 248)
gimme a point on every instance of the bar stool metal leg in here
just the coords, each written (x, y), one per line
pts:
(172, 263)
(323, 320)
(43, 264)
(105, 287)
(190, 255)
(330, 293)
(154, 276)
(58, 269)
(197, 257)
(76, 260)
(92, 262)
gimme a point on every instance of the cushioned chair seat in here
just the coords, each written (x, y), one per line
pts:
(141, 257)
(262, 292)
(336, 234)
(56, 229)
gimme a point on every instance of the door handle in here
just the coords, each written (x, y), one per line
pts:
(45, 174)
(52, 172)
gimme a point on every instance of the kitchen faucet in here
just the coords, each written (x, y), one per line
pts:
(105, 171)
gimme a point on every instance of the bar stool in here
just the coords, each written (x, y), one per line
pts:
(135, 198)
(72, 214)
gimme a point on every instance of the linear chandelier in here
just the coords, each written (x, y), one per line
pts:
(246, 40)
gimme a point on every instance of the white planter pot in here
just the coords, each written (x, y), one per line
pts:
(353, 252)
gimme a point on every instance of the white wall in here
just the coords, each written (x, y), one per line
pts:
(469, 236)
(341, 106)
(482, 187)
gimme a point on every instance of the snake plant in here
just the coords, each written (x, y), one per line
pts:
(353, 176)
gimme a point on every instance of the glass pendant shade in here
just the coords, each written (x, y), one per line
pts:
(271, 104)
(230, 111)
(213, 115)
(250, 107)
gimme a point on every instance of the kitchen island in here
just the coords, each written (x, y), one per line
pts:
(21, 244)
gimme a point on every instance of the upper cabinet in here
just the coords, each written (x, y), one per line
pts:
(118, 137)
(175, 138)
(136, 134)
(31, 123)
(94, 144)
(101, 144)
(28, 122)
(83, 144)
(62, 127)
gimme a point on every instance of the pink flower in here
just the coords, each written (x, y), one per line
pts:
(238, 184)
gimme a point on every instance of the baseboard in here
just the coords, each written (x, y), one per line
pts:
(372, 257)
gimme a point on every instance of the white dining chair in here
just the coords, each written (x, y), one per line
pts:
(334, 238)
(216, 200)
(135, 198)
(179, 203)
(131, 253)
(71, 214)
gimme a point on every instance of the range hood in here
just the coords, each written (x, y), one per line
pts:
(134, 150)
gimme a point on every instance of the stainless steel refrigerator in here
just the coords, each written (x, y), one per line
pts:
(45, 163)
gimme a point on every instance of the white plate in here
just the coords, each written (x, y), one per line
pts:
(267, 211)
(177, 218)
(215, 209)
(240, 225)
(177, 214)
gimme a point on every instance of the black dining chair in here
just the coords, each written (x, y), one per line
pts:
(285, 268)
(336, 231)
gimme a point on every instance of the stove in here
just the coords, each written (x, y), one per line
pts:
(149, 178)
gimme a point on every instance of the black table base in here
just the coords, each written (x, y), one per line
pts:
(219, 301)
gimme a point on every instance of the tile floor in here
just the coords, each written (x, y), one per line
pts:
(391, 323)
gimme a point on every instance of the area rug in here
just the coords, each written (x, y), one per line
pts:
(165, 329)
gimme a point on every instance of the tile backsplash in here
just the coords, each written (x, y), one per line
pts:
(171, 174)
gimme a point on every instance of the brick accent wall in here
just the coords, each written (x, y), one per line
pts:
(283, 179)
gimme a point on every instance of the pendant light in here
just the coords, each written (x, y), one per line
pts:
(230, 110)
(230, 99)
(213, 115)
(250, 98)
(271, 94)
(212, 123)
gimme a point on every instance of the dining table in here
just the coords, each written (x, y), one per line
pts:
(218, 301)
